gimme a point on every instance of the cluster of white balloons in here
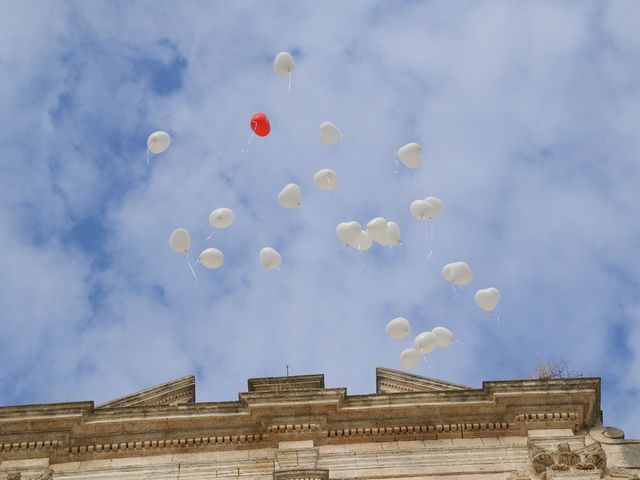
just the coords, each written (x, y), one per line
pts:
(351, 233)
(180, 241)
(378, 230)
(291, 194)
(423, 344)
(426, 209)
(459, 273)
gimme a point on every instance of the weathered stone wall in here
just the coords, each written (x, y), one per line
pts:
(499, 458)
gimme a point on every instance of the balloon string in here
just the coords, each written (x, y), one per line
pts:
(147, 156)
(429, 238)
(253, 134)
(289, 89)
(458, 341)
(190, 267)
(498, 319)
(397, 164)
(455, 291)
(209, 237)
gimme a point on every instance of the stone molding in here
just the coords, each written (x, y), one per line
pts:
(302, 474)
(617, 472)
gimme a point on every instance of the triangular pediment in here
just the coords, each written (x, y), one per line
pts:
(175, 392)
(395, 381)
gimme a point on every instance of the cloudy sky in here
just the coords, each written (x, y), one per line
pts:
(529, 117)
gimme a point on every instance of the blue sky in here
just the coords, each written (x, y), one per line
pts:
(529, 116)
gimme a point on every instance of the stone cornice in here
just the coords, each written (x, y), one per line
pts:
(176, 392)
(261, 419)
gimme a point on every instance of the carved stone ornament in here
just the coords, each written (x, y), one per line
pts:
(587, 459)
(14, 476)
(617, 472)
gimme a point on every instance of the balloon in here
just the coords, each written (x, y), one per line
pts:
(363, 242)
(409, 359)
(457, 273)
(325, 179)
(180, 240)
(270, 258)
(260, 124)
(348, 232)
(290, 196)
(444, 336)
(211, 258)
(377, 229)
(392, 237)
(488, 299)
(411, 155)
(421, 209)
(158, 142)
(437, 206)
(425, 342)
(283, 64)
(329, 133)
(447, 270)
(221, 217)
(398, 328)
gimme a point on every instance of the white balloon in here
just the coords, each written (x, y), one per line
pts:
(329, 133)
(421, 209)
(411, 155)
(392, 236)
(488, 299)
(363, 242)
(425, 342)
(409, 358)
(211, 258)
(377, 229)
(270, 258)
(444, 336)
(446, 271)
(180, 240)
(348, 232)
(221, 217)
(461, 274)
(437, 206)
(283, 64)
(398, 328)
(158, 142)
(290, 196)
(457, 273)
(326, 179)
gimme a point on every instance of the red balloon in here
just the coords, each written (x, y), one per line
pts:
(260, 124)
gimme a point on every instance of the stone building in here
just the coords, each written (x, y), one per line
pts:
(293, 428)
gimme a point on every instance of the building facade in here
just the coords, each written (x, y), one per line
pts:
(293, 428)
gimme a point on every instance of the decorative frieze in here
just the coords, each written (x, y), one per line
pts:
(417, 429)
(588, 459)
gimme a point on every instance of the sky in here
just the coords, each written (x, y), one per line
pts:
(529, 118)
